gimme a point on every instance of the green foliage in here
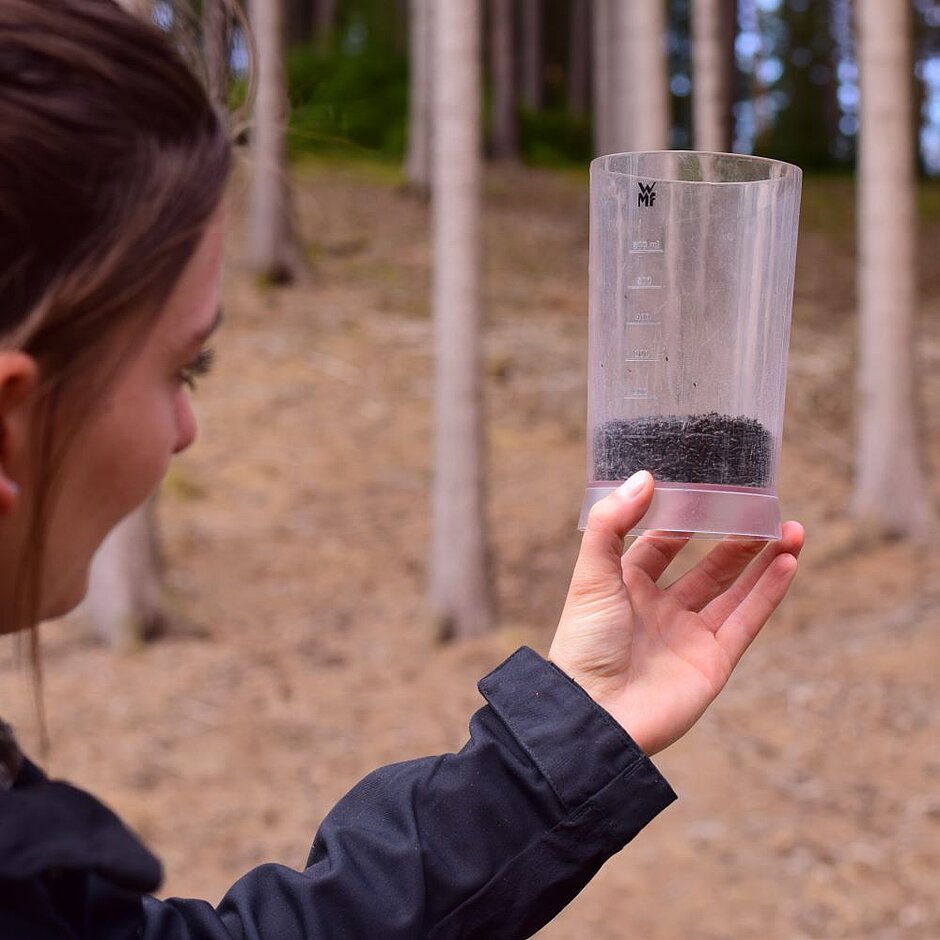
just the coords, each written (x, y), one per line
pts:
(351, 98)
(347, 101)
(554, 138)
(237, 94)
(828, 205)
(928, 201)
(805, 123)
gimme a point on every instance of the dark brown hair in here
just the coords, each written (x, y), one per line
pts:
(112, 161)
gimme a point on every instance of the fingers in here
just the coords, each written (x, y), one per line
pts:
(608, 524)
(739, 630)
(715, 573)
(790, 543)
(654, 552)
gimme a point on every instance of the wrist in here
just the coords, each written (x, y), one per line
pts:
(614, 700)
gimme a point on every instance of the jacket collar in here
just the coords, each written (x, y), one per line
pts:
(49, 824)
(11, 760)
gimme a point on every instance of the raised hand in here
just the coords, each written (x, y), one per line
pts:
(655, 657)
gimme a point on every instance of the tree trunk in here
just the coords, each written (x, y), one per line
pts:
(418, 160)
(711, 75)
(324, 23)
(531, 29)
(505, 135)
(799, 133)
(274, 249)
(890, 488)
(459, 582)
(400, 28)
(602, 23)
(641, 95)
(215, 44)
(578, 57)
(735, 90)
(125, 600)
(296, 22)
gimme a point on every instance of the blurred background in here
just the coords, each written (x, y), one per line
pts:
(406, 318)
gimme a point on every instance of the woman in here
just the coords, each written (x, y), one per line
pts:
(112, 170)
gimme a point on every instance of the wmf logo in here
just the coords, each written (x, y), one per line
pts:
(647, 195)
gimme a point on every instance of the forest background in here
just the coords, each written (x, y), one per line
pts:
(289, 645)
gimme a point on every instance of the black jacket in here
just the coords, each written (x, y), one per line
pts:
(490, 842)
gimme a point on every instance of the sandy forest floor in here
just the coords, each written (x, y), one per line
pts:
(297, 529)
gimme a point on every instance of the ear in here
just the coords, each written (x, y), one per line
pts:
(19, 376)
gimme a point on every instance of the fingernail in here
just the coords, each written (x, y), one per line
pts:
(634, 485)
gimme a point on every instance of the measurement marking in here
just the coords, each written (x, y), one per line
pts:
(640, 358)
(640, 396)
(643, 247)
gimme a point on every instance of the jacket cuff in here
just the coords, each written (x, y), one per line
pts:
(576, 745)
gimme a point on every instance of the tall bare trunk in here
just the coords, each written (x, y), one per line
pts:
(711, 75)
(531, 46)
(641, 83)
(275, 252)
(890, 487)
(730, 14)
(324, 22)
(578, 57)
(125, 600)
(215, 43)
(418, 160)
(505, 135)
(603, 43)
(459, 588)
(400, 26)
(296, 22)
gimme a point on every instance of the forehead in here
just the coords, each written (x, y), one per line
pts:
(194, 302)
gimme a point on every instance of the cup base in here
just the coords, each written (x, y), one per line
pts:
(700, 510)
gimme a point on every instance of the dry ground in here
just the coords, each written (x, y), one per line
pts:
(297, 532)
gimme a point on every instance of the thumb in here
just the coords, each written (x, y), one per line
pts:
(609, 522)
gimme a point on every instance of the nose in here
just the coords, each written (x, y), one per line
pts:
(185, 423)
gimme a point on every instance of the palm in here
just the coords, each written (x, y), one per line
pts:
(655, 657)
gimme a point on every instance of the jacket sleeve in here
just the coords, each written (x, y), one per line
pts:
(490, 842)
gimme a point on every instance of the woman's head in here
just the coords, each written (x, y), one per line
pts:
(112, 167)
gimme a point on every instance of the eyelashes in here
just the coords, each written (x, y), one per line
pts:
(199, 368)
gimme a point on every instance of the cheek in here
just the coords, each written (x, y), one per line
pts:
(185, 421)
(119, 463)
(140, 451)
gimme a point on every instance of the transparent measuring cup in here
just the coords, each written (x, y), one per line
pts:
(691, 286)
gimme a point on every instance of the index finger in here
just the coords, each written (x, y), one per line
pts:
(653, 552)
(790, 543)
(745, 622)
